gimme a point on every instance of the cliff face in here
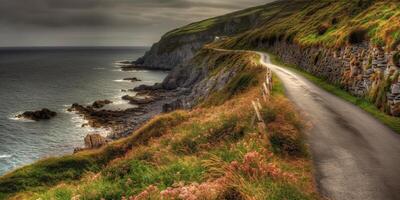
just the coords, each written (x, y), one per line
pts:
(211, 71)
(180, 45)
(163, 55)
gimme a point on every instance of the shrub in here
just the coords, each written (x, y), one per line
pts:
(145, 156)
(228, 130)
(334, 21)
(396, 59)
(287, 144)
(269, 114)
(186, 145)
(357, 36)
(241, 82)
(323, 28)
(231, 193)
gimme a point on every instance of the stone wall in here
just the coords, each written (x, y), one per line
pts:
(363, 70)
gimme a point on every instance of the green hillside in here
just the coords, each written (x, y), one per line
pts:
(330, 23)
(215, 150)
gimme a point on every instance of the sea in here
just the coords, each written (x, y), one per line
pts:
(56, 77)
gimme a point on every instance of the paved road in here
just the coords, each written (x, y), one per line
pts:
(355, 156)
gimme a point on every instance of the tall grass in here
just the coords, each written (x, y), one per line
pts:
(213, 151)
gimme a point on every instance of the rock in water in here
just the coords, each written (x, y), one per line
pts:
(94, 141)
(138, 101)
(134, 79)
(38, 115)
(101, 103)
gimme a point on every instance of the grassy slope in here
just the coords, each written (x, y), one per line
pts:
(302, 21)
(214, 145)
(176, 135)
(328, 23)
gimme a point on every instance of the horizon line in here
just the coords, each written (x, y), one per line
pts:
(80, 46)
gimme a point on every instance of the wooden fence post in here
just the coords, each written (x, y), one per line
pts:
(259, 104)
(264, 95)
(257, 111)
(266, 90)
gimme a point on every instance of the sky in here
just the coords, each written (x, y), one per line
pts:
(103, 22)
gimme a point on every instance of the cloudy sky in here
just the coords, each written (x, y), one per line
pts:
(103, 22)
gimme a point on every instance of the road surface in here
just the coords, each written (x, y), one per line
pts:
(355, 156)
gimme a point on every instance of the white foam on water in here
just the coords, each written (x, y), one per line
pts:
(78, 121)
(123, 64)
(14, 117)
(5, 156)
(120, 80)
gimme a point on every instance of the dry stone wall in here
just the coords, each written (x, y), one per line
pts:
(363, 70)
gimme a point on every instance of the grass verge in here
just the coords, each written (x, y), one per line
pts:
(390, 121)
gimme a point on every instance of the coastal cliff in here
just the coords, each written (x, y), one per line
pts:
(355, 45)
(207, 139)
(180, 45)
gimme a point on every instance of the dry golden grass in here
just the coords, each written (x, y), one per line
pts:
(197, 149)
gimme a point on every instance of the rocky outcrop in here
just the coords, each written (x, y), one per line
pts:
(104, 118)
(137, 100)
(93, 141)
(162, 56)
(196, 80)
(364, 70)
(43, 114)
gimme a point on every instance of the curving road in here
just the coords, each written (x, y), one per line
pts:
(355, 156)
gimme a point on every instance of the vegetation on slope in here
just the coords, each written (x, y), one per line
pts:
(333, 24)
(211, 152)
(330, 23)
(215, 146)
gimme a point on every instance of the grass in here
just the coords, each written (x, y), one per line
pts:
(206, 144)
(390, 121)
(327, 23)
(51, 171)
(214, 151)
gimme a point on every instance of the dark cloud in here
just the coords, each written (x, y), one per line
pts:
(106, 18)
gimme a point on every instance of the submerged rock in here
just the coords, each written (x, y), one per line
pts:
(43, 114)
(101, 103)
(133, 79)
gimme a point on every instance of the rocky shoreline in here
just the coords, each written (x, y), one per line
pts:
(149, 100)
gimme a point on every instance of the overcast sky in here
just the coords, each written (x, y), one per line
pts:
(103, 22)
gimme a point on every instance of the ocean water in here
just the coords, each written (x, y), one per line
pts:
(54, 78)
